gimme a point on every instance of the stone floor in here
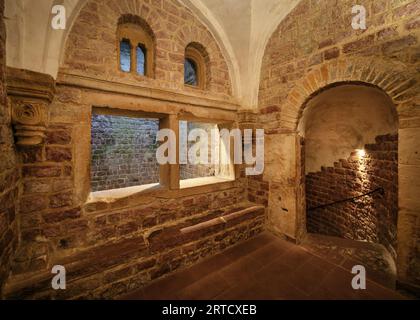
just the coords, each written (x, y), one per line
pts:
(379, 264)
(266, 267)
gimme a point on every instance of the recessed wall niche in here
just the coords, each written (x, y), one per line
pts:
(123, 151)
(215, 163)
(351, 161)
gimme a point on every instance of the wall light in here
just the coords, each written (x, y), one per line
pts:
(361, 153)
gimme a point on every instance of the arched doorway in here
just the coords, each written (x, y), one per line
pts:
(350, 153)
(285, 163)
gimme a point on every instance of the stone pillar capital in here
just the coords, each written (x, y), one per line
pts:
(30, 94)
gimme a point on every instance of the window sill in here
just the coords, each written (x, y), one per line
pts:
(199, 182)
(197, 87)
(115, 194)
(141, 195)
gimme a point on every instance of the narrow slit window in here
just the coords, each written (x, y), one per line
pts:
(190, 72)
(125, 55)
(141, 60)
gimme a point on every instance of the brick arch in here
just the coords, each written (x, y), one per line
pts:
(204, 59)
(401, 84)
(216, 65)
(137, 20)
(395, 79)
(173, 26)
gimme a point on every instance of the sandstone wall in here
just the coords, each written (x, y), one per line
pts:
(315, 47)
(9, 175)
(319, 31)
(58, 227)
(112, 248)
(173, 26)
(371, 218)
(120, 242)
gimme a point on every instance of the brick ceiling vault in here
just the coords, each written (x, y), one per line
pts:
(241, 28)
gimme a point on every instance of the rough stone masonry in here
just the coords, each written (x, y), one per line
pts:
(121, 241)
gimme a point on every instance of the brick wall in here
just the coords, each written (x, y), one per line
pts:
(189, 170)
(316, 32)
(372, 218)
(140, 243)
(124, 242)
(56, 229)
(258, 190)
(9, 176)
(315, 46)
(123, 152)
(174, 27)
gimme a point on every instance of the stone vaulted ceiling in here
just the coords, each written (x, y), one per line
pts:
(241, 27)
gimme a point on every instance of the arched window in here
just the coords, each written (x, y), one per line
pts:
(190, 72)
(136, 46)
(125, 55)
(195, 66)
(141, 60)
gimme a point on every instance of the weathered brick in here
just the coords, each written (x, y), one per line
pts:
(331, 53)
(341, 183)
(54, 217)
(61, 200)
(359, 44)
(61, 137)
(33, 204)
(32, 155)
(41, 171)
(398, 45)
(57, 154)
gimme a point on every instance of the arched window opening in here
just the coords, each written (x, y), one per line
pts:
(141, 60)
(190, 73)
(195, 63)
(125, 55)
(136, 49)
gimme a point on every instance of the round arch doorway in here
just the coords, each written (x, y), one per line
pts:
(350, 151)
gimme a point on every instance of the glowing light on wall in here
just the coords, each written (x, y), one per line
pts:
(361, 153)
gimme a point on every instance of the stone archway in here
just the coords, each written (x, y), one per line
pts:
(401, 85)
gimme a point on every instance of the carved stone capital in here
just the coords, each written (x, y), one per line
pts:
(247, 119)
(30, 94)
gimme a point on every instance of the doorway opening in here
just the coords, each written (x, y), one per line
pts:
(350, 151)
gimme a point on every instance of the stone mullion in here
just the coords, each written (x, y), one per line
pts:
(169, 173)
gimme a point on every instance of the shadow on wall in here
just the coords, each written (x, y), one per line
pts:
(351, 154)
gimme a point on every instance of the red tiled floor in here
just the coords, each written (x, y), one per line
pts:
(265, 267)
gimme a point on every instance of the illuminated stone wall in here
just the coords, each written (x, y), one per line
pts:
(370, 218)
(314, 48)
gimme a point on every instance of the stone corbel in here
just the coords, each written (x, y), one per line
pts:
(30, 94)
